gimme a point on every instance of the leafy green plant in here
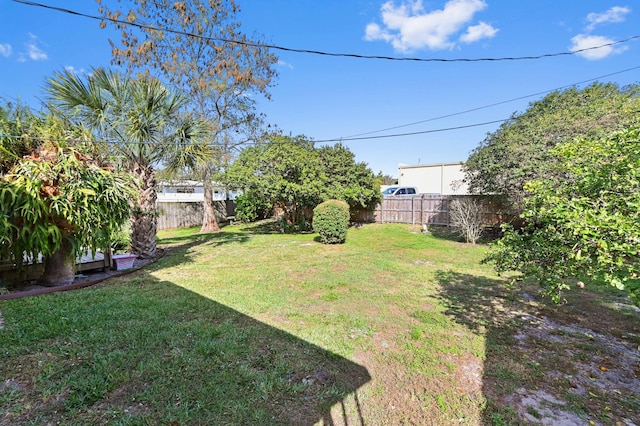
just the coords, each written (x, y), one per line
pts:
(350, 181)
(251, 207)
(584, 222)
(120, 240)
(519, 151)
(284, 170)
(57, 203)
(294, 177)
(331, 221)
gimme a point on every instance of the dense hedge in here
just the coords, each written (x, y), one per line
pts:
(331, 221)
(251, 207)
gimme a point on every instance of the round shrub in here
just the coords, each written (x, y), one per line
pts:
(331, 221)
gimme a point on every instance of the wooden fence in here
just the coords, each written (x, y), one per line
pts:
(424, 209)
(186, 215)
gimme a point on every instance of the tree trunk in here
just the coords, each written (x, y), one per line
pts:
(144, 222)
(59, 268)
(209, 221)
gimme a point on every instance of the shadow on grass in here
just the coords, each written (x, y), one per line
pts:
(534, 346)
(191, 238)
(270, 226)
(485, 306)
(444, 233)
(489, 234)
(266, 226)
(138, 350)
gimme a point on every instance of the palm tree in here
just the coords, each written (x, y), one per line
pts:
(144, 123)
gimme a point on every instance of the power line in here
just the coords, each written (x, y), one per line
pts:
(446, 129)
(490, 105)
(319, 52)
(115, 142)
(360, 136)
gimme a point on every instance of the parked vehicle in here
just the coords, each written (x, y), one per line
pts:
(400, 190)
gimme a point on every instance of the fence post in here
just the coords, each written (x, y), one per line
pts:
(413, 210)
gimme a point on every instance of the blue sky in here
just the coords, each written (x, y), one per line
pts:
(339, 97)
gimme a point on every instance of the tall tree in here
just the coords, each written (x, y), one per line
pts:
(219, 67)
(518, 151)
(583, 223)
(143, 121)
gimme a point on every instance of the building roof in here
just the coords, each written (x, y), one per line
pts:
(408, 166)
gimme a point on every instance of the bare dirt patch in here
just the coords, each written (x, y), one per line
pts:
(579, 364)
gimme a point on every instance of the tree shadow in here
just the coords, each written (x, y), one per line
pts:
(487, 308)
(176, 357)
(263, 227)
(534, 347)
(192, 238)
(444, 232)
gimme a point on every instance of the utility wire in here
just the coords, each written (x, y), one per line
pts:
(360, 135)
(115, 142)
(318, 52)
(446, 129)
(490, 105)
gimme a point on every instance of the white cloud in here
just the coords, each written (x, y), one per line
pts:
(592, 42)
(409, 27)
(72, 69)
(5, 50)
(615, 14)
(33, 51)
(582, 41)
(282, 63)
(478, 32)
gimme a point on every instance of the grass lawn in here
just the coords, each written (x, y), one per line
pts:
(251, 327)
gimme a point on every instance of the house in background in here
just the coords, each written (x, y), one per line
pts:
(442, 178)
(180, 203)
(190, 191)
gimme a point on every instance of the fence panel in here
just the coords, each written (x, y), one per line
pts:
(433, 210)
(187, 215)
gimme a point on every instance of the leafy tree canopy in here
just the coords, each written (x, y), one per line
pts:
(17, 122)
(54, 189)
(519, 151)
(348, 180)
(290, 173)
(287, 171)
(584, 222)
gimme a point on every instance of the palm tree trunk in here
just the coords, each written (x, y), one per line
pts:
(144, 222)
(209, 221)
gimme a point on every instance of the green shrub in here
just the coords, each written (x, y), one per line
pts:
(331, 221)
(251, 207)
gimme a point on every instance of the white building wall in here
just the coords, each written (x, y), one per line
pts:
(444, 178)
(189, 191)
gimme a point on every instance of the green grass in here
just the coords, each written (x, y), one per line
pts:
(249, 326)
